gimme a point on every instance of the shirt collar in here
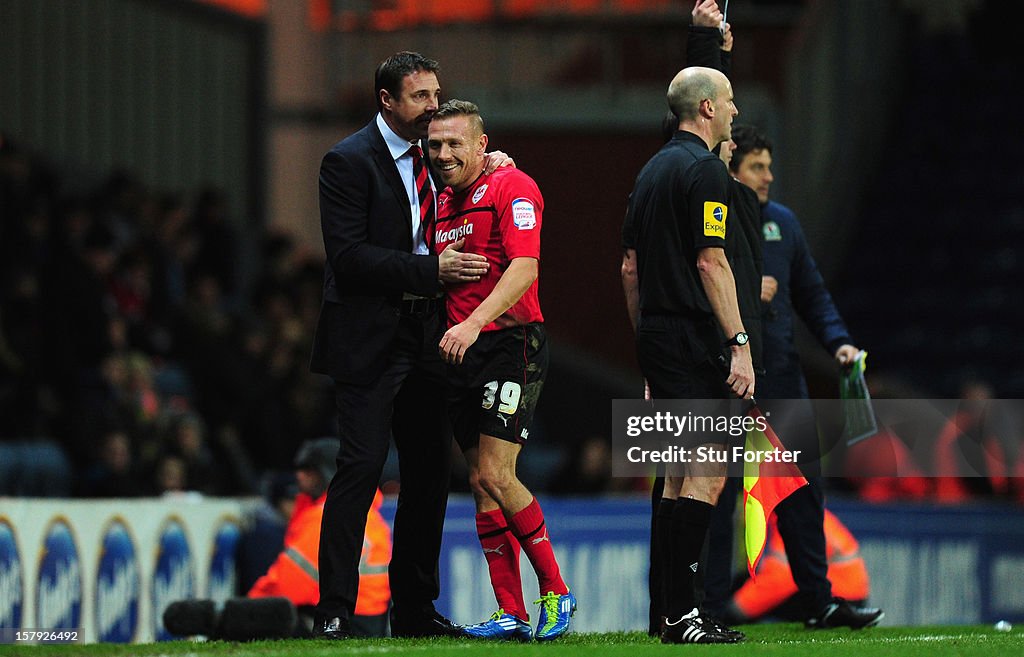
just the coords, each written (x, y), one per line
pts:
(685, 135)
(396, 144)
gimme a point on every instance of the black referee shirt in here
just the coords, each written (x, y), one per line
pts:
(679, 205)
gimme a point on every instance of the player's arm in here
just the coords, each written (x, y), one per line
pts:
(629, 272)
(631, 286)
(631, 279)
(512, 285)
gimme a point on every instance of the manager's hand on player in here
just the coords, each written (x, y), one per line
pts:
(456, 341)
(453, 266)
(741, 373)
(497, 159)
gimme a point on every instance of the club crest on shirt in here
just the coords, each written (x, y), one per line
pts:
(479, 193)
(772, 232)
(714, 219)
(523, 215)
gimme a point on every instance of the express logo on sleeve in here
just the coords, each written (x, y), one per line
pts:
(714, 219)
(523, 215)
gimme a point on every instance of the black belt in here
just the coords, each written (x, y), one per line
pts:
(418, 307)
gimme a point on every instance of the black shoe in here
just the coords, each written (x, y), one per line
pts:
(840, 613)
(427, 623)
(722, 628)
(691, 628)
(335, 629)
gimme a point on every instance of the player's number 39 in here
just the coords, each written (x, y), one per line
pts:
(509, 396)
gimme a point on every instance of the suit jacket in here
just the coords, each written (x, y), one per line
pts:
(367, 228)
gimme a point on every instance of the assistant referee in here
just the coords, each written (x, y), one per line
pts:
(691, 342)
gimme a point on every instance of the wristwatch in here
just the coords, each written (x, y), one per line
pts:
(739, 340)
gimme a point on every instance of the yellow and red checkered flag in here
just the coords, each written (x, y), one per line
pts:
(765, 484)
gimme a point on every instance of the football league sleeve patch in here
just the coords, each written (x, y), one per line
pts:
(524, 214)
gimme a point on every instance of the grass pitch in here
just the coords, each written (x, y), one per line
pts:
(784, 640)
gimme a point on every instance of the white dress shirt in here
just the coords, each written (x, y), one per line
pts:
(399, 149)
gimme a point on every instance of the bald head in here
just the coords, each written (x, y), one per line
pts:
(702, 99)
(692, 85)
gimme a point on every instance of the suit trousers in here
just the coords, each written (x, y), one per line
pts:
(405, 402)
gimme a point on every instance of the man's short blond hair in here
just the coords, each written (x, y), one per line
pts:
(457, 107)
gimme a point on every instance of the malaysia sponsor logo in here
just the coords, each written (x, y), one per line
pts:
(479, 193)
(59, 586)
(523, 214)
(454, 234)
(221, 583)
(12, 589)
(117, 586)
(173, 577)
(714, 219)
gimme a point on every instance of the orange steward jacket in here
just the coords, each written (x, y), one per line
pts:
(774, 582)
(294, 573)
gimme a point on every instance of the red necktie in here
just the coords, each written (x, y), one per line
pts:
(425, 194)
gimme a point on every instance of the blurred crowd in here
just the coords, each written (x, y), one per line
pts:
(133, 359)
(971, 452)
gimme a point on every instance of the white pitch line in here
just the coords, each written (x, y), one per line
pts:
(341, 650)
(861, 638)
(929, 637)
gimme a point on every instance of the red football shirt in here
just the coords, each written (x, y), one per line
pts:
(500, 217)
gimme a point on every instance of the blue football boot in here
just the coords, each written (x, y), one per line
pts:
(500, 627)
(555, 612)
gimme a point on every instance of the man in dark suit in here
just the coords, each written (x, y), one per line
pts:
(377, 338)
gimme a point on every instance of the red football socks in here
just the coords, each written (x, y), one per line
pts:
(501, 549)
(528, 526)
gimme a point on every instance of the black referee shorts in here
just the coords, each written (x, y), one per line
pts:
(495, 389)
(677, 362)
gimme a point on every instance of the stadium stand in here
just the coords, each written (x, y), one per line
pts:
(132, 362)
(937, 313)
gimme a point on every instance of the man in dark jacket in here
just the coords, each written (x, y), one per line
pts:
(793, 286)
(377, 339)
